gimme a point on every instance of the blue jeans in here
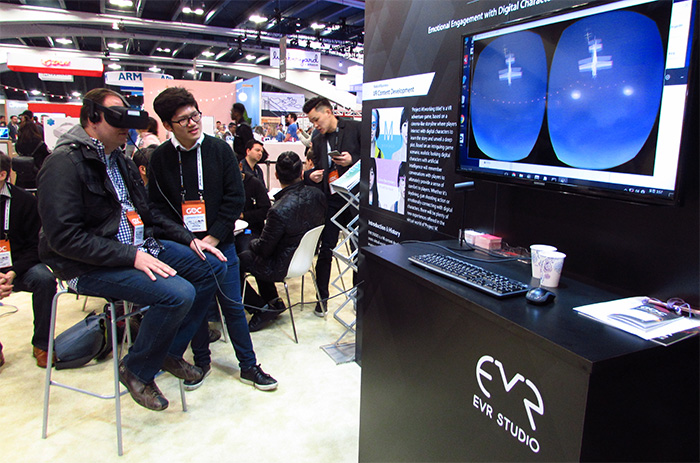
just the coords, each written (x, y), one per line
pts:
(177, 304)
(229, 297)
(39, 281)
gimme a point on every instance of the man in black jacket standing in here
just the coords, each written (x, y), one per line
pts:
(297, 209)
(243, 131)
(20, 268)
(196, 172)
(100, 235)
(341, 138)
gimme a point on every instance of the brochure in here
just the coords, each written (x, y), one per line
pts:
(646, 321)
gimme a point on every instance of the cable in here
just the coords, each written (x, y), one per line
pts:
(9, 312)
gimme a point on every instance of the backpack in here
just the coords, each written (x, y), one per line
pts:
(82, 342)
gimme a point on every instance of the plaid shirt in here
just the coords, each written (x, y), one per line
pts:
(125, 234)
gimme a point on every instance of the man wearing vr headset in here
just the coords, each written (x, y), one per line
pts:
(100, 235)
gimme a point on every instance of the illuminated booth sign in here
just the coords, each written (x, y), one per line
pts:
(127, 79)
(54, 63)
(297, 59)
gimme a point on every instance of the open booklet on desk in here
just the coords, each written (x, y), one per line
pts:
(649, 322)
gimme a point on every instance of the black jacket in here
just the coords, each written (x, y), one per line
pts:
(297, 209)
(223, 187)
(243, 135)
(349, 140)
(80, 210)
(23, 231)
(257, 203)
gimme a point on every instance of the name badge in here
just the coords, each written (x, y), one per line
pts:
(194, 215)
(332, 175)
(137, 226)
(5, 255)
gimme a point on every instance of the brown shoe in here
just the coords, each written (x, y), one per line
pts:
(179, 368)
(2, 357)
(42, 357)
(145, 394)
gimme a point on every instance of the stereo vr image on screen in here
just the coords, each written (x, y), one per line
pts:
(591, 100)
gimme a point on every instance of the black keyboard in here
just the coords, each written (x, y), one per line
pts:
(469, 274)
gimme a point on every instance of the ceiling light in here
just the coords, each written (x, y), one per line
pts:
(191, 71)
(76, 94)
(154, 69)
(114, 66)
(250, 57)
(199, 11)
(163, 50)
(187, 10)
(257, 19)
(64, 41)
(317, 26)
(116, 46)
(208, 53)
(122, 3)
(35, 92)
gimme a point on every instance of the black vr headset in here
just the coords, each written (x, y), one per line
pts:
(117, 116)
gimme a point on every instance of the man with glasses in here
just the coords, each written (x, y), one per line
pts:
(100, 235)
(195, 180)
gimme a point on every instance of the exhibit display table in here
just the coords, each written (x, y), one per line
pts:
(452, 374)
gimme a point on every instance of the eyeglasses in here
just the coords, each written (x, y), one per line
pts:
(194, 117)
(675, 304)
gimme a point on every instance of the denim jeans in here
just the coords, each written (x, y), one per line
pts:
(229, 297)
(177, 304)
(39, 281)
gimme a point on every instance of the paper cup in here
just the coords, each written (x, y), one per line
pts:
(551, 264)
(536, 251)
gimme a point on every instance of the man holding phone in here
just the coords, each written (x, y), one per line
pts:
(336, 144)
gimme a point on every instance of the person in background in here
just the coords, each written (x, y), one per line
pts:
(254, 153)
(259, 133)
(149, 135)
(297, 209)
(142, 159)
(32, 152)
(230, 133)
(304, 137)
(243, 131)
(291, 121)
(344, 138)
(3, 122)
(13, 127)
(220, 129)
(20, 268)
(199, 175)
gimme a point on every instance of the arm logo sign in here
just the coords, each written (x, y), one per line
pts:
(508, 385)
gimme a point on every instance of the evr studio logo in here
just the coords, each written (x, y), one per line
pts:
(484, 376)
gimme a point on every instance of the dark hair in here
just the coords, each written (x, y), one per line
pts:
(239, 108)
(315, 102)
(5, 164)
(288, 167)
(29, 131)
(152, 126)
(374, 189)
(231, 124)
(96, 95)
(170, 100)
(253, 142)
(142, 157)
(404, 117)
(292, 115)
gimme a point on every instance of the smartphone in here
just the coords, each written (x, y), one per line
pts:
(334, 154)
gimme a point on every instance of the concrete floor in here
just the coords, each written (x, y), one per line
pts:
(312, 417)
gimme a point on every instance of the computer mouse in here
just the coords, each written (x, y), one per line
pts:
(539, 296)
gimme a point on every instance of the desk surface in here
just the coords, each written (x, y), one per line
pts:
(552, 326)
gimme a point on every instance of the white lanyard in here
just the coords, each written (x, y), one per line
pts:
(7, 216)
(200, 174)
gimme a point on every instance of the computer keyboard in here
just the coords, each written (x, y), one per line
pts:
(469, 274)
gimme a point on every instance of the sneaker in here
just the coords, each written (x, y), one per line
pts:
(254, 376)
(191, 385)
(2, 357)
(262, 319)
(214, 335)
(319, 311)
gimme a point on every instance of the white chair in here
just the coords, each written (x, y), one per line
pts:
(117, 393)
(300, 265)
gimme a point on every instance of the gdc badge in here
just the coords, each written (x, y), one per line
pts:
(136, 225)
(194, 216)
(5, 256)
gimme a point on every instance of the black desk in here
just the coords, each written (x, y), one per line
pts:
(451, 374)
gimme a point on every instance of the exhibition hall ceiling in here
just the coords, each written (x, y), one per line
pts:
(186, 39)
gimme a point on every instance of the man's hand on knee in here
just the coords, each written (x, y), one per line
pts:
(151, 266)
(200, 247)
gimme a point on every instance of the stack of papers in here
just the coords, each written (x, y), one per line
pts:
(646, 321)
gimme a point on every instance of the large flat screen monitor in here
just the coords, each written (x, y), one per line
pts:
(589, 101)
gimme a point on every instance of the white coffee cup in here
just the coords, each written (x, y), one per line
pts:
(551, 263)
(536, 251)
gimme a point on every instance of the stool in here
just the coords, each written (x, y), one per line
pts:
(116, 395)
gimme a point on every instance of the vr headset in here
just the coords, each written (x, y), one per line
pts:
(118, 116)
